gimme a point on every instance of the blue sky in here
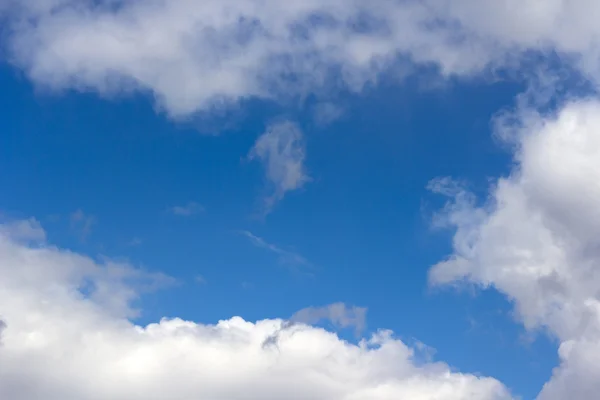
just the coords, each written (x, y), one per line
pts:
(363, 224)
(272, 189)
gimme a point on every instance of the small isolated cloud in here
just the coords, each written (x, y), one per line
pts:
(285, 257)
(191, 208)
(82, 223)
(281, 150)
(339, 314)
(199, 279)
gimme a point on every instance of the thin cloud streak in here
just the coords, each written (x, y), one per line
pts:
(285, 257)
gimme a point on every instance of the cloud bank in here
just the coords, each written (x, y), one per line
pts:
(194, 56)
(66, 335)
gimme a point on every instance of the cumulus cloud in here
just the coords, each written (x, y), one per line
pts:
(339, 314)
(66, 337)
(187, 210)
(199, 55)
(536, 240)
(281, 150)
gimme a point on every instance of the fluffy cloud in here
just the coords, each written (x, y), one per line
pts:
(197, 55)
(24, 230)
(66, 335)
(536, 240)
(281, 149)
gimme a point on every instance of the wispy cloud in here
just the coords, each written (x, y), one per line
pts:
(326, 113)
(200, 280)
(188, 210)
(82, 223)
(339, 314)
(285, 257)
(281, 150)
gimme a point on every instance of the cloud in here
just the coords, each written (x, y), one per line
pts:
(326, 113)
(194, 56)
(2, 328)
(26, 230)
(282, 151)
(340, 315)
(65, 341)
(285, 257)
(197, 56)
(191, 208)
(536, 239)
(82, 223)
(199, 279)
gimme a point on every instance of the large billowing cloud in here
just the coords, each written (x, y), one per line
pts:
(536, 240)
(194, 55)
(65, 335)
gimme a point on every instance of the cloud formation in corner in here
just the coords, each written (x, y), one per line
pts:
(536, 239)
(281, 150)
(63, 341)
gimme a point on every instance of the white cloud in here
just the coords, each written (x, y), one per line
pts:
(536, 240)
(25, 230)
(198, 55)
(339, 314)
(66, 336)
(282, 151)
(191, 208)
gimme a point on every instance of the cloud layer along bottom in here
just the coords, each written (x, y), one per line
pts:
(65, 334)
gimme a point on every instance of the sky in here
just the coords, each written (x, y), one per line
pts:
(334, 200)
